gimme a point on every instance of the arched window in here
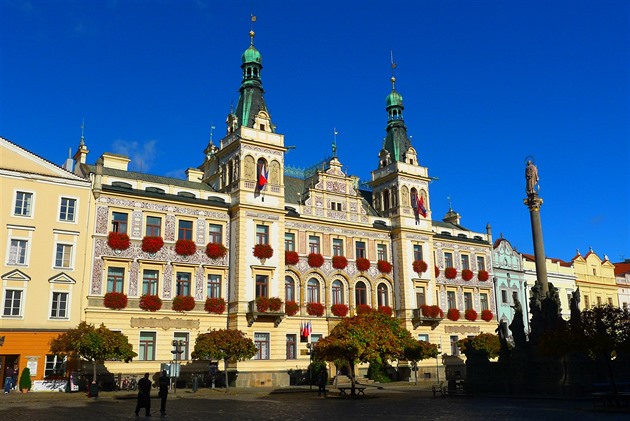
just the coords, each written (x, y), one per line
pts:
(337, 292)
(385, 199)
(262, 168)
(312, 291)
(289, 289)
(413, 196)
(360, 293)
(381, 293)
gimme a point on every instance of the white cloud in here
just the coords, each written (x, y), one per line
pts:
(142, 155)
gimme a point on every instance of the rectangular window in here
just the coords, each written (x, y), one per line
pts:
(599, 301)
(12, 302)
(337, 292)
(153, 227)
(182, 283)
(182, 343)
(423, 337)
(59, 308)
(291, 347)
(465, 261)
(261, 340)
(261, 285)
(150, 282)
(315, 337)
(55, 366)
(504, 296)
(417, 252)
(337, 247)
(381, 252)
(360, 249)
(468, 301)
(483, 301)
(448, 259)
(454, 347)
(262, 234)
(67, 209)
(119, 222)
(215, 233)
(450, 298)
(313, 244)
(17, 252)
(289, 241)
(23, 204)
(146, 348)
(214, 286)
(610, 301)
(420, 296)
(587, 304)
(185, 230)
(115, 279)
(481, 263)
(63, 256)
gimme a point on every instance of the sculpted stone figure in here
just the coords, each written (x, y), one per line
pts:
(531, 178)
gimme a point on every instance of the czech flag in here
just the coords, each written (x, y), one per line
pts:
(264, 175)
(420, 206)
(308, 328)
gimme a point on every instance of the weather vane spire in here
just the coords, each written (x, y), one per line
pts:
(391, 55)
(251, 28)
(334, 145)
(82, 132)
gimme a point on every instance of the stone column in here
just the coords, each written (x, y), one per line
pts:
(533, 202)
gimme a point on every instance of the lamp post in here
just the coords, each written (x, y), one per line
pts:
(526, 306)
(177, 353)
(309, 346)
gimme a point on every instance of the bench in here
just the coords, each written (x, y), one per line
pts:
(360, 390)
(611, 399)
(439, 388)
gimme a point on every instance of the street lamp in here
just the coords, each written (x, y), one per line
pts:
(309, 346)
(177, 354)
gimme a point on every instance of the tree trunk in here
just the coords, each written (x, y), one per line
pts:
(225, 366)
(352, 389)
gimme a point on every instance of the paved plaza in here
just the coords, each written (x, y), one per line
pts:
(392, 402)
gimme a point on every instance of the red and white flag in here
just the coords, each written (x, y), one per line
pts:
(420, 206)
(263, 176)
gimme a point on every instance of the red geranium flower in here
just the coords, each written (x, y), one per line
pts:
(215, 305)
(118, 240)
(453, 314)
(470, 314)
(263, 251)
(275, 304)
(363, 308)
(483, 275)
(183, 303)
(185, 247)
(115, 300)
(262, 304)
(339, 262)
(150, 302)
(387, 310)
(437, 271)
(384, 266)
(339, 310)
(291, 257)
(486, 315)
(315, 309)
(291, 308)
(215, 250)
(315, 260)
(467, 274)
(152, 244)
(420, 266)
(434, 312)
(363, 264)
(450, 273)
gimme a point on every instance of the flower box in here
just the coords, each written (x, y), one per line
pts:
(315, 260)
(115, 300)
(433, 312)
(315, 309)
(275, 304)
(118, 240)
(291, 308)
(483, 275)
(384, 266)
(387, 310)
(183, 303)
(185, 247)
(152, 244)
(450, 273)
(486, 315)
(470, 314)
(437, 271)
(420, 266)
(467, 274)
(363, 308)
(339, 310)
(262, 304)
(453, 314)
(339, 262)
(215, 305)
(150, 302)
(215, 250)
(291, 258)
(363, 264)
(263, 251)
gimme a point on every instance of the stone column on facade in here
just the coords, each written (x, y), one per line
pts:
(533, 203)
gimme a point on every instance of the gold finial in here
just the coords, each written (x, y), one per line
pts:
(251, 29)
(393, 79)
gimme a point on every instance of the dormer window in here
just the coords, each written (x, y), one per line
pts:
(262, 127)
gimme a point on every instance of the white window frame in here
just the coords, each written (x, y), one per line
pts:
(15, 262)
(185, 356)
(66, 316)
(155, 342)
(262, 354)
(20, 314)
(58, 365)
(70, 258)
(31, 214)
(74, 219)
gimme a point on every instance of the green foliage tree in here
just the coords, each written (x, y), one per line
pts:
(224, 344)
(420, 350)
(370, 336)
(484, 343)
(25, 379)
(93, 344)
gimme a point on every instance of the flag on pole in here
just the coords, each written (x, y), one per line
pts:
(262, 178)
(301, 329)
(421, 209)
(308, 329)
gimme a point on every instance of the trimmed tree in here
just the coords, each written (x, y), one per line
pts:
(224, 344)
(94, 344)
(420, 350)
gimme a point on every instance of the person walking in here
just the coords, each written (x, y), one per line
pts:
(16, 371)
(8, 378)
(144, 395)
(164, 383)
(322, 380)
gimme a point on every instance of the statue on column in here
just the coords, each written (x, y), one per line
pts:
(531, 178)
(518, 326)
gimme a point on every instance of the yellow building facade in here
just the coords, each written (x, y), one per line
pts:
(596, 279)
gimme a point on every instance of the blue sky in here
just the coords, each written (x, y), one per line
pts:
(485, 85)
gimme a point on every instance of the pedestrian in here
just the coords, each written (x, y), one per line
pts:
(16, 370)
(144, 395)
(322, 380)
(8, 378)
(164, 383)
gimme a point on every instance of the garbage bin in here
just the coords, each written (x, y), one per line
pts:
(93, 390)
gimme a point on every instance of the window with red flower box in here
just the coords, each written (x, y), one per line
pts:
(291, 308)
(486, 315)
(115, 300)
(118, 240)
(384, 266)
(420, 266)
(215, 305)
(467, 274)
(150, 302)
(275, 304)
(470, 314)
(433, 312)
(339, 310)
(315, 309)
(483, 275)
(215, 250)
(291, 258)
(152, 244)
(363, 264)
(185, 247)
(450, 272)
(453, 314)
(263, 251)
(262, 304)
(183, 303)
(315, 260)
(339, 262)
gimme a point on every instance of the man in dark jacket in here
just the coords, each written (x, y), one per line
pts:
(144, 395)
(163, 394)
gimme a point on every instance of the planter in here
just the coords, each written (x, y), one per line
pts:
(470, 315)
(315, 260)
(118, 240)
(363, 264)
(215, 250)
(339, 262)
(152, 245)
(262, 304)
(339, 310)
(467, 274)
(384, 266)
(420, 266)
(315, 309)
(185, 247)
(453, 314)
(450, 273)
(486, 315)
(183, 303)
(215, 305)
(275, 304)
(433, 312)
(263, 251)
(291, 258)
(24, 390)
(150, 302)
(483, 275)
(115, 300)
(291, 308)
